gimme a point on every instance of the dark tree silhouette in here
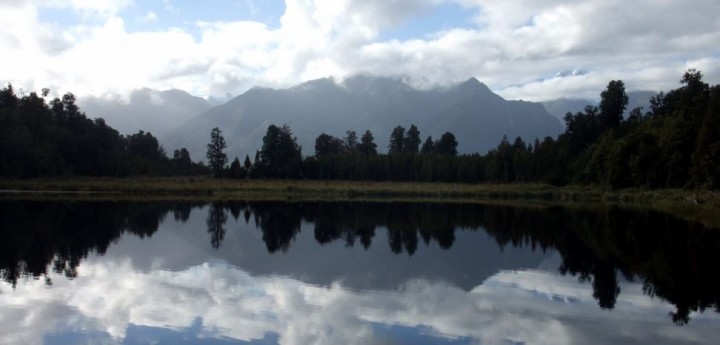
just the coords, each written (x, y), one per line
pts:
(447, 145)
(367, 144)
(397, 138)
(411, 142)
(327, 145)
(236, 170)
(350, 142)
(215, 152)
(217, 217)
(613, 102)
(182, 161)
(280, 156)
(428, 146)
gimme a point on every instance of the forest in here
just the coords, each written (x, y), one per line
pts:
(674, 144)
(52, 139)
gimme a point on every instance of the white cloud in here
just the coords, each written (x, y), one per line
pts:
(169, 7)
(514, 44)
(88, 8)
(149, 17)
(523, 306)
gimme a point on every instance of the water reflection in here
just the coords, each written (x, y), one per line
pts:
(216, 303)
(217, 217)
(607, 249)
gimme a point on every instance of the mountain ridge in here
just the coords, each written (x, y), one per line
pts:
(146, 109)
(478, 117)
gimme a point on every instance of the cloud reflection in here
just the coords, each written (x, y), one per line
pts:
(537, 307)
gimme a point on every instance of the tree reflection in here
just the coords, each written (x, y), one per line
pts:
(278, 222)
(181, 212)
(38, 236)
(217, 217)
(673, 259)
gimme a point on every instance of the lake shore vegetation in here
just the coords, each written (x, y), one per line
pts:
(665, 157)
(697, 205)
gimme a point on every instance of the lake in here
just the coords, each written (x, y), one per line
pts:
(128, 272)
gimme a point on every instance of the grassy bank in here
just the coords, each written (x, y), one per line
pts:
(701, 206)
(221, 188)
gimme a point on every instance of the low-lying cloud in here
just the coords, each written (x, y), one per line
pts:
(516, 47)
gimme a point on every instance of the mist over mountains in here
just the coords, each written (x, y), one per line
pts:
(478, 117)
(145, 109)
(560, 107)
(470, 110)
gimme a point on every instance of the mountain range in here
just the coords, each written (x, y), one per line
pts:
(475, 115)
(478, 117)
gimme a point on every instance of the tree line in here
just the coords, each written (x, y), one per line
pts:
(41, 138)
(673, 144)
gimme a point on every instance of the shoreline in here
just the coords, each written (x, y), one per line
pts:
(696, 205)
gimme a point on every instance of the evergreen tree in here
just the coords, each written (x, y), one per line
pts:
(613, 102)
(428, 146)
(215, 155)
(257, 168)
(247, 164)
(145, 155)
(705, 167)
(280, 156)
(350, 142)
(327, 145)
(367, 144)
(397, 138)
(411, 142)
(143, 146)
(8, 99)
(693, 96)
(182, 161)
(582, 129)
(447, 145)
(236, 170)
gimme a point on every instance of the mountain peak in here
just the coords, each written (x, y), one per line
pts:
(478, 117)
(316, 85)
(366, 83)
(472, 80)
(473, 88)
(474, 84)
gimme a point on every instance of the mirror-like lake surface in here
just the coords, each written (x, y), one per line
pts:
(352, 273)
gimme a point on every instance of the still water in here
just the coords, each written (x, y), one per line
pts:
(352, 273)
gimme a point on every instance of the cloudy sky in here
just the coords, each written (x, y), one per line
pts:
(523, 49)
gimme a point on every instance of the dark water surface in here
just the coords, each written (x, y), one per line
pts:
(352, 273)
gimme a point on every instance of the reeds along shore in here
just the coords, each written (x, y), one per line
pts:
(697, 205)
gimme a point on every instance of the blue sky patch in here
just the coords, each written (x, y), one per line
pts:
(440, 18)
(413, 335)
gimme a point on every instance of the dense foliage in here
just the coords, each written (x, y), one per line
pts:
(676, 143)
(673, 144)
(41, 139)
